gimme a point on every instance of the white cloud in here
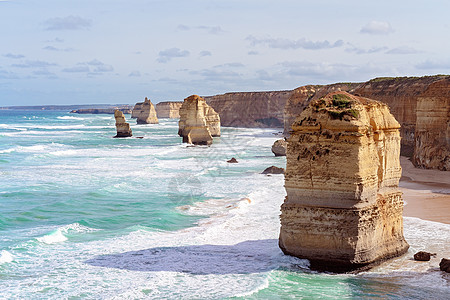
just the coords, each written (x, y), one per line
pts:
(14, 56)
(377, 27)
(403, 50)
(67, 23)
(77, 69)
(434, 65)
(205, 53)
(208, 29)
(166, 55)
(135, 74)
(34, 64)
(282, 43)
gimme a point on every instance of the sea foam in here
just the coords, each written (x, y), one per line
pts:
(5, 257)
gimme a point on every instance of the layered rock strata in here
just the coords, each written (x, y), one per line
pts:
(122, 127)
(168, 109)
(145, 112)
(432, 134)
(198, 121)
(250, 109)
(343, 209)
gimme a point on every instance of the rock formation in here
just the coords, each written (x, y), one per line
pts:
(343, 209)
(122, 127)
(273, 170)
(109, 111)
(432, 134)
(198, 121)
(252, 109)
(232, 161)
(444, 265)
(423, 256)
(279, 147)
(168, 109)
(145, 112)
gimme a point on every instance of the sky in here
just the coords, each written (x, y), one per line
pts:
(97, 51)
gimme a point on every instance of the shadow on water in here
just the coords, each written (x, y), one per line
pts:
(254, 256)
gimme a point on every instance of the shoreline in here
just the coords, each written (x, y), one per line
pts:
(426, 193)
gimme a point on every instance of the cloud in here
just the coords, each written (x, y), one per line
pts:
(357, 50)
(51, 48)
(67, 23)
(403, 50)
(208, 29)
(205, 53)
(55, 40)
(45, 73)
(8, 75)
(77, 69)
(34, 64)
(253, 53)
(282, 43)
(217, 74)
(166, 55)
(433, 65)
(135, 74)
(93, 67)
(230, 65)
(377, 27)
(13, 56)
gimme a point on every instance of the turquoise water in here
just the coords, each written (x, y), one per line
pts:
(86, 216)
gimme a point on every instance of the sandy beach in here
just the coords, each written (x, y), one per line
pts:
(426, 193)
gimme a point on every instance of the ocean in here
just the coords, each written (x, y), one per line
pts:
(86, 216)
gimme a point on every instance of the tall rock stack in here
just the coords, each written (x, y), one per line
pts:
(432, 136)
(343, 209)
(198, 121)
(122, 127)
(145, 112)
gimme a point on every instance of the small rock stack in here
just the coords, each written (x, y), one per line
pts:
(122, 127)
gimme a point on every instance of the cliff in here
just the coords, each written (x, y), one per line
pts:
(123, 128)
(432, 134)
(168, 109)
(343, 209)
(109, 111)
(401, 94)
(252, 109)
(198, 121)
(145, 112)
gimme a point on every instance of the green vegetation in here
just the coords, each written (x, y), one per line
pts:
(341, 101)
(340, 114)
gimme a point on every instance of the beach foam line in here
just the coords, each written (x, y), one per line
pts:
(5, 257)
(69, 118)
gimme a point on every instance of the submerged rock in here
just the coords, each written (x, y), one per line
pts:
(273, 170)
(145, 112)
(343, 209)
(279, 147)
(444, 265)
(232, 161)
(198, 121)
(122, 127)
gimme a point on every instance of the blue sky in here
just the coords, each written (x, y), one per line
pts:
(96, 51)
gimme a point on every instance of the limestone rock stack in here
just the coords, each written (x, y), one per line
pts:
(122, 127)
(343, 208)
(198, 121)
(168, 109)
(279, 147)
(145, 112)
(432, 136)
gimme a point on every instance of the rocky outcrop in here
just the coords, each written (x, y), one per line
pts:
(198, 121)
(343, 208)
(432, 134)
(122, 127)
(145, 112)
(444, 265)
(423, 256)
(279, 147)
(252, 109)
(273, 170)
(168, 109)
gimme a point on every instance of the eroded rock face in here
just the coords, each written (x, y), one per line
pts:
(145, 112)
(122, 127)
(198, 121)
(251, 109)
(168, 109)
(279, 147)
(343, 209)
(432, 136)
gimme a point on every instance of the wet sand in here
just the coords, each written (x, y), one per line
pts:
(426, 193)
